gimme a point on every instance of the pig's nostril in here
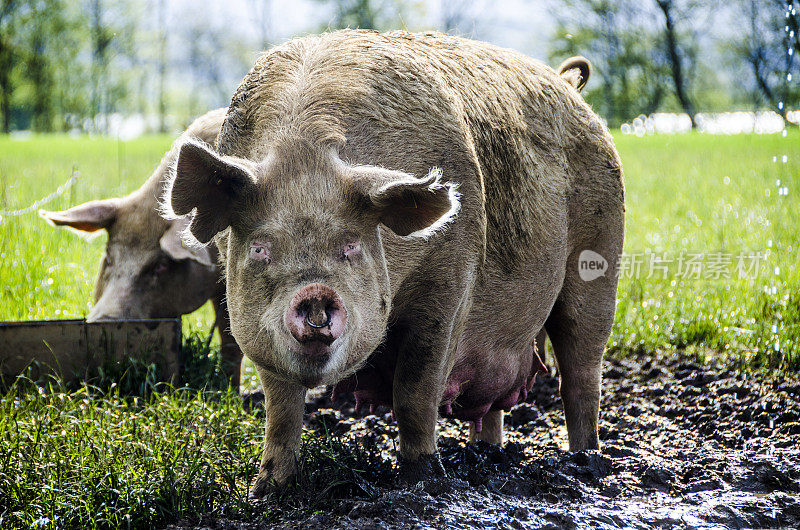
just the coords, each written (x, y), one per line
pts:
(314, 325)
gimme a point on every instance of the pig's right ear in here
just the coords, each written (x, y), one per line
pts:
(87, 217)
(409, 206)
(211, 186)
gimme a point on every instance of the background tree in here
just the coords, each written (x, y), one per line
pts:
(620, 47)
(676, 53)
(46, 29)
(762, 44)
(9, 23)
(262, 16)
(366, 14)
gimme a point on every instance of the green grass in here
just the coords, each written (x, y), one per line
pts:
(713, 195)
(86, 459)
(126, 452)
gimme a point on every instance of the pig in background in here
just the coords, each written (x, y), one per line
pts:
(401, 215)
(147, 272)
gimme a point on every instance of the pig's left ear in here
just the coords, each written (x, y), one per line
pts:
(87, 217)
(211, 186)
(407, 205)
(172, 244)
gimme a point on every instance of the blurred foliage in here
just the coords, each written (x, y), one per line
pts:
(765, 49)
(73, 65)
(629, 46)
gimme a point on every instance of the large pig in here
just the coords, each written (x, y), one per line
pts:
(402, 214)
(147, 272)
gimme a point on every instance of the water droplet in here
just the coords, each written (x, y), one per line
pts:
(766, 193)
(784, 159)
(780, 105)
(777, 271)
(774, 328)
(778, 183)
(774, 158)
(788, 77)
(726, 180)
(784, 133)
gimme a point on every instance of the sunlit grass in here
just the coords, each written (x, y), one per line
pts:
(86, 459)
(722, 196)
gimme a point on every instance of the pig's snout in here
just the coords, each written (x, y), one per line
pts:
(316, 314)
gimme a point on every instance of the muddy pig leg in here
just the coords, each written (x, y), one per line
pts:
(491, 428)
(418, 385)
(230, 354)
(579, 326)
(284, 404)
(426, 354)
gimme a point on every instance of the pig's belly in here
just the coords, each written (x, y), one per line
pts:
(495, 363)
(479, 382)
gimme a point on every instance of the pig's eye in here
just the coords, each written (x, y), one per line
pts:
(351, 249)
(107, 261)
(259, 251)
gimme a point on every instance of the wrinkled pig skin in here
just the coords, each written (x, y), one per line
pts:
(147, 272)
(401, 215)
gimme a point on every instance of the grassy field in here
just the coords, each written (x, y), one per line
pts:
(108, 457)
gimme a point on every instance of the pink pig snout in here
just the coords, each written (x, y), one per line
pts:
(316, 314)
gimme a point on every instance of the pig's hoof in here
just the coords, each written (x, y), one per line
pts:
(263, 485)
(425, 467)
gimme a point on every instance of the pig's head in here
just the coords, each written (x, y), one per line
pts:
(307, 279)
(146, 271)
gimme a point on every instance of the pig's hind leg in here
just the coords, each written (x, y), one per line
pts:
(491, 428)
(579, 326)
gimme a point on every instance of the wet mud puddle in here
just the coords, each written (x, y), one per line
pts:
(683, 446)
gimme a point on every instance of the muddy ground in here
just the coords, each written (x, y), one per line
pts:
(683, 445)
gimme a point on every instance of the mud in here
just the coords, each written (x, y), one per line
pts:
(683, 446)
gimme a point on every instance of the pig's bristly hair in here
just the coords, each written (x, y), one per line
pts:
(166, 208)
(165, 197)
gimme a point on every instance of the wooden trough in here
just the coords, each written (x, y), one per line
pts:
(74, 349)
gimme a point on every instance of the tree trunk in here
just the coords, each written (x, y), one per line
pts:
(42, 89)
(5, 87)
(5, 102)
(162, 67)
(675, 60)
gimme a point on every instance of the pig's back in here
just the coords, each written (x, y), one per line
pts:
(415, 101)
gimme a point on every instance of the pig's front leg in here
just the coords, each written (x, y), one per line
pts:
(419, 381)
(284, 405)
